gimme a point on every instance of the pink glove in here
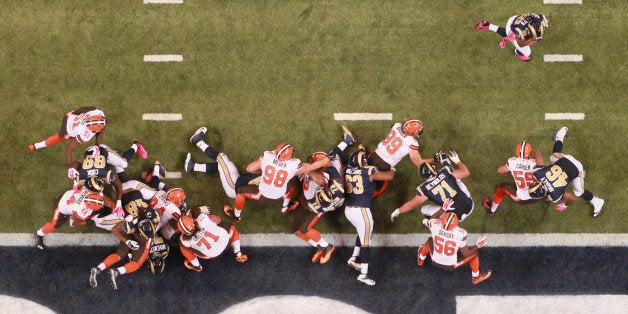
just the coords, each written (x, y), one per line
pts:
(72, 173)
(118, 211)
(510, 37)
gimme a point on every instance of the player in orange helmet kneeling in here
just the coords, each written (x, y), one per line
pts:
(448, 248)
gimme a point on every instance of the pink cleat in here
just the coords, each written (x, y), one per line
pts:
(560, 207)
(521, 56)
(482, 25)
(140, 149)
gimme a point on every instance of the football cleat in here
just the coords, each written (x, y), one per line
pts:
(93, 273)
(597, 206)
(419, 261)
(189, 266)
(31, 148)
(198, 135)
(483, 276)
(114, 273)
(521, 56)
(351, 262)
(327, 251)
(560, 207)
(365, 279)
(141, 150)
(189, 163)
(487, 203)
(39, 242)
(560, 135)
(231, 213)
(160, 168)
(482, 25)
(317, 256)
(241, 258)
(347, 136)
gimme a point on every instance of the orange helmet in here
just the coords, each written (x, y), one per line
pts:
(449, 221)
(320, 156)
(186, 225)
(176, 196)
(96, 123)
(94, 201)
(412, 126)
(523, 150)
(283, 151)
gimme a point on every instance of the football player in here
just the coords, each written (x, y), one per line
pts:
(522, 30)
(360, 179)
(136, 236)
(79, 126)
(206, 236)
(521, 167)
(321, 191)
(440, 186)
(448, 248)
(565, 169)
(270, 179)
(402, 140)
(79, 207)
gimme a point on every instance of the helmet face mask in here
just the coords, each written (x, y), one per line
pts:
(186, 225)
(427, 171)
(523, 150)
(94, 201)
(96, 123)
(449, 221)
(284, 152)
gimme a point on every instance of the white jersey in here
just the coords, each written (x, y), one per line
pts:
(276, 174)
(209, 240)
(396, 145)
(446, 243)
(76, 127)
(521, 170)
(72, 202)
(310, 186)
(168, 211)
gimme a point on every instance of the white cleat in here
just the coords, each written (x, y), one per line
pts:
(365, 279)
(198, 135)
(597, 206)
(93, 273)
(351, 262)
(189, 164)
(560, 135)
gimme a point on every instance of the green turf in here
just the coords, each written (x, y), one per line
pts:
(257, 73)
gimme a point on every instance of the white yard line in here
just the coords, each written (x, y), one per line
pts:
(378, 240)
(562, 1)
(162, 116)
(163, 58)
(564, 116)
(163, 1)
(541, 304)
(362, 116)
(562, 58)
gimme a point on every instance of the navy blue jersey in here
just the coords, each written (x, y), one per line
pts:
(556, 177)
(359, 187)
(443, 186)
(96, 167)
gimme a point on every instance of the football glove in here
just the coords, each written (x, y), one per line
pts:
(72, 173)
(394, 215)
(118, 211)
(453, 156)
(440, 157)
(425, 222)
(448, 205)
(133, 245)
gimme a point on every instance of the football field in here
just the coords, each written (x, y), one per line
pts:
(258, 73)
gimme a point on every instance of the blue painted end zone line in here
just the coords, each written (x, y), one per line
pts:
(379, 240)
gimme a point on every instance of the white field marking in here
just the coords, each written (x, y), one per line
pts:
(169, 175)
(381, 240)
(162, 116)
(163, 1)
(292, 304)
(12, 304)
(163, 58)
(562, 1)
(562, 58)
(564, 116)
(542, 304)
(362, 116)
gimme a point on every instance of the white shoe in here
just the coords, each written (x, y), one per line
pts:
(365, 279)
(560, 135)
(597, 206)
(189, 164)
(351, 262)
(114, 273)
(93, 273)
(198, 135)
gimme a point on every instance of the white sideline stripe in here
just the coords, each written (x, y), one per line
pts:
(562, 58)
(163, 1)
(162, 116)
(163, 58)
(542, 304)
(382, 240)
(169, 175)
(562, 1)
(564, 116)
(362, 116)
